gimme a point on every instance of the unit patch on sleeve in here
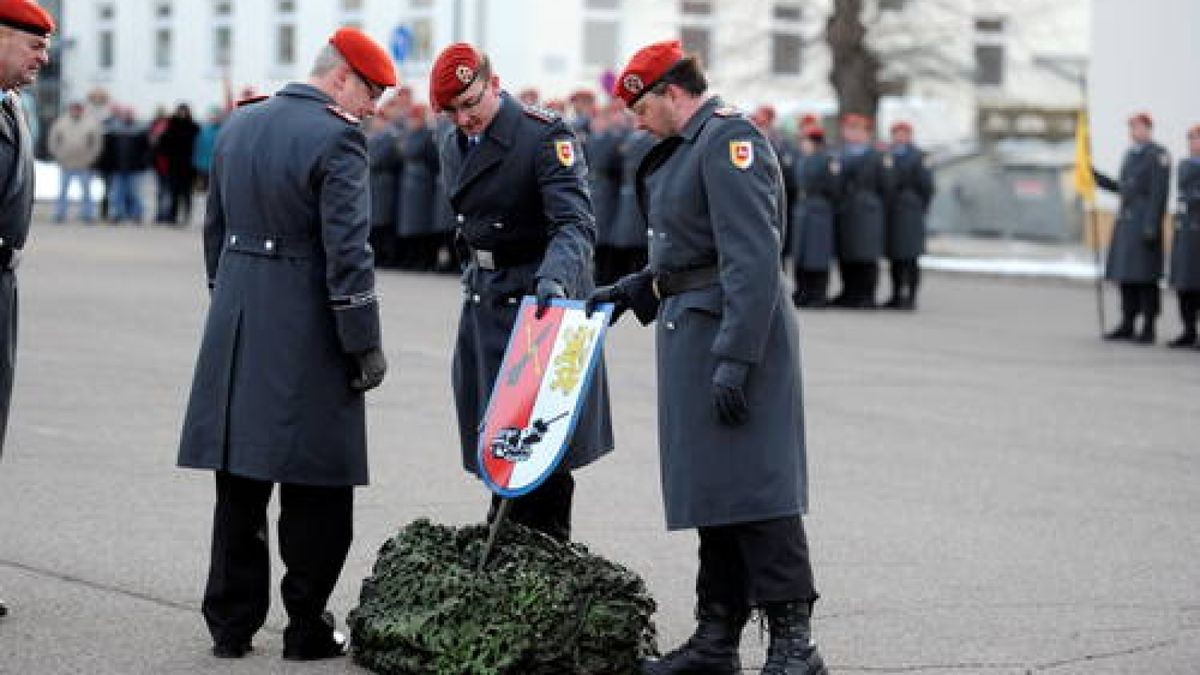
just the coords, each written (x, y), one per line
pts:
(565, 151)
(741, 153)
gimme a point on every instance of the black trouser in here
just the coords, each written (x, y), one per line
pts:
(1138, 299)
(859, 281)
(8, 345)
(1189, 308)
(906, 277)
(315, 528)
(546, 509)
(812, 286)
(754, 563)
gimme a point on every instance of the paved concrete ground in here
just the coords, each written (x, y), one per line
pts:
(994, 489)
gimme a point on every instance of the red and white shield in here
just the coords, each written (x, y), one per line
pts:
(565, 151)
(741, 153)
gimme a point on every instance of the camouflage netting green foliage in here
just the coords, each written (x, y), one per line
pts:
(539, 608)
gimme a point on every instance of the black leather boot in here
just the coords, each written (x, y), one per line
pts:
(791, 650)
(1186, 339)
(1146, 336)
(1121, 332)
(3, 609)
(712, 649)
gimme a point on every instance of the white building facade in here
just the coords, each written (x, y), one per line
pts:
(946, 58)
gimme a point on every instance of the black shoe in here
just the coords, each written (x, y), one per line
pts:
(306, 645)
(712, 649)
(1122, 332)
(231, 650)
(1186, 339)
(791, 650)
(1146, 337)
(895, 302)
(3, 609)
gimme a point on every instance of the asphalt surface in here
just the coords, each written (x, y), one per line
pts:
(994, 490)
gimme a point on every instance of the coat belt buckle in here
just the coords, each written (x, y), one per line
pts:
(485, 259)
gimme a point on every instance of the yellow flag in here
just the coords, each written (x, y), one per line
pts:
(1085, 182)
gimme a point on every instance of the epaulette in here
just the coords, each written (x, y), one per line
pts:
(252, 99)
(728, 111)
(340, 112)
(541, 114)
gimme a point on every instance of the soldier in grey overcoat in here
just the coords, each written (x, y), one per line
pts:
(420, 192)
(911, 194)
(517, 182)
(818, 175)
(861, 213)
(383, 153)
(602, 151)
(629, 230)
(1135, 253)
(1185, 246)
(290, 344)
(731, 411)
(25, 30)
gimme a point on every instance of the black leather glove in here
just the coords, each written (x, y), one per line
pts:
(729, 392)
(614, 295)
(547, 290)
(372, 366)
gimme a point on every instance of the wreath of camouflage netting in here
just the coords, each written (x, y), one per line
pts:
(539, 608)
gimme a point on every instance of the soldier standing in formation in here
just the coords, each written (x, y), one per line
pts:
(25, 30)
(911, 193)
(861, 214)
(291, 343)
(419, 228)
(731, 425)
(1135, 253)
(603, 152)
(786, 152)
(518, 185)
(383, 153)
(1185, 248)
(818, 175)
(629, 237)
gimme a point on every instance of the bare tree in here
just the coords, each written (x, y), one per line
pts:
(856, 65)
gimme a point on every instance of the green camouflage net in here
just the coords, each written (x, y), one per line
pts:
(539, 608)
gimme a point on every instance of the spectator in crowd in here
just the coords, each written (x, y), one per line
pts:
(158, 162)
(176, 145)
(130, 157)
(202, 151)
(75, 142)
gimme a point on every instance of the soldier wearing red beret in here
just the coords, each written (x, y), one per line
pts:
(911, 193)
(25, 30)
(818, 176)
(291, 345)
(517, 183)
(1135, 254)
(731, 428)
(861, 213)
(1185, 245)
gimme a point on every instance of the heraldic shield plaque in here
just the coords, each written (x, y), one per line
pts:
(537, 399)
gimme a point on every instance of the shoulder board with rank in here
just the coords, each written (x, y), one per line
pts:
(728, 111)
(251, 99)
(341, 112)
(541, 114)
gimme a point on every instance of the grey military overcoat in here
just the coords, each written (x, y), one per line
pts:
(383, 153)
(602, 151)
(519, 193)
(16, 208)
(817, 187)
(418, 203)
(629, 228)
(861, 212)
(1185, 247)
(285, 246)
(705, 210)
(912, 191)
(1135, 253)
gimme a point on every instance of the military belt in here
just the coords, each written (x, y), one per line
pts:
(509, 256)
(667, 284)
(271, 245)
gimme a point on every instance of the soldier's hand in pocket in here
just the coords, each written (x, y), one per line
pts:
(372, 366)
(547, 290)
(613, 295)
(729, 393)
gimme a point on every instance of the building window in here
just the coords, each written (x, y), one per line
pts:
(285, 33)
(989, 51)
(601, 33)
(352, 13)
(105, 36)
(787, 39)
(352, 5)
(696, 29)
(419, 20)
(222, 33)
(162, 35)
(696, 7)
(603, 5)
(891, 5)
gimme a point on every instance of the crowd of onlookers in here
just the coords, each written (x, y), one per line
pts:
(99, 138)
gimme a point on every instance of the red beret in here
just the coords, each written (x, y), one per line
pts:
(646, 68)
(856, 120)
(365, 56)
(813, 131)
(26, 15)
(455, 69)
(1142, 118)
(809, 120)
(767, 112)
(902, 126)
(417, 111)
